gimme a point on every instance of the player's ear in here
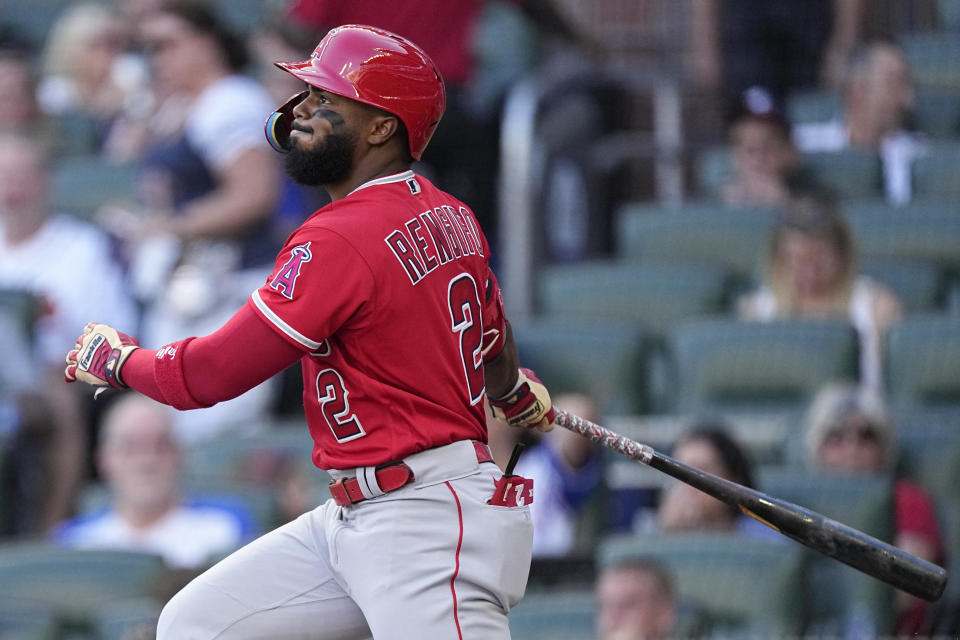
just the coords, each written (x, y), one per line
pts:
(382, 127)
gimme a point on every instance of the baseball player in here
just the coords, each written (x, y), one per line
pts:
(387, 298)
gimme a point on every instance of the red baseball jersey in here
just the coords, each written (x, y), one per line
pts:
(390, 291)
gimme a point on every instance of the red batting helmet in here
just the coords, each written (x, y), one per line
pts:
(375, 67)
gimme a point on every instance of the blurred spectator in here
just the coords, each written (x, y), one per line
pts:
(25, 423)
(68, 265)
(764, 160)
(19, 111)
(781, 44)
(811, 272)
(566, 471)
(848, 431)
(209, 188)
(635, 601)
(53, 255)
(709, 447)
(209, 175)
(877, 96)
(87, 80)
(140, 459)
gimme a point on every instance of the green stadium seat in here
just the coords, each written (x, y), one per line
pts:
(920, 284)
(31, 20)
(815, 105)
(655, 296)
(722, 364)
(934, 58)
(744, 589)
(939, 472)
(28, 621)
(925, 417)
(929, 454)
(242, 16)
(935, 173)
(936, 112)
(923, 360)
(835, 591)
(565, 615)
(80, 185)
(74, 581)
(603, 359)
(734, 239)
(922, 230)
(21, 307)
(850, 173)
(948, 12)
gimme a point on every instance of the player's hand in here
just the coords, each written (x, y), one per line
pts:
(99, 355)
(528, 405)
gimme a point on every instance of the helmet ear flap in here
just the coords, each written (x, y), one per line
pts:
(277, 128)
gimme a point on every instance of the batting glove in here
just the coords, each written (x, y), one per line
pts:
(99, 355)
(528, 405)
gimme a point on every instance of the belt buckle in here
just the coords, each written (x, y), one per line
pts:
(342, 496)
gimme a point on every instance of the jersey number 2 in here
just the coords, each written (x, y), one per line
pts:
(466, 323)
(335, 407)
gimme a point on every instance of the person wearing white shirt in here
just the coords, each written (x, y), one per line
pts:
(55, 258)
(140, 459)
(811, 272)
(209, 187)
(878, 95)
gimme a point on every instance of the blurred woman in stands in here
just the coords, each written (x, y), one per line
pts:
(811, 272)
(848, 431)
(88, 83)
(709, 447)
(200, 238)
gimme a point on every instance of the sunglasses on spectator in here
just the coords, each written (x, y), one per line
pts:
(862, 433)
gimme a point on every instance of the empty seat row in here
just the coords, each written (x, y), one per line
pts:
(721, 363)
(736, 239)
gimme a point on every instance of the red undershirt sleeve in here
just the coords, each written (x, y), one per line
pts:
(200, 372)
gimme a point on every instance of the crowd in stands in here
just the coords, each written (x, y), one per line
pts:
(174, 90)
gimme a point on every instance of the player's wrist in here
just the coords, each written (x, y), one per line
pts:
(513, 389)
(114, 375)
(528, 404)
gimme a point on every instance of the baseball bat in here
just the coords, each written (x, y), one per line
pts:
(834, 539)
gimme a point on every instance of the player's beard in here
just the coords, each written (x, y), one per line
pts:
(327, 163)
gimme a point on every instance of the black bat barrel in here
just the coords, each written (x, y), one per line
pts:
(834, 539)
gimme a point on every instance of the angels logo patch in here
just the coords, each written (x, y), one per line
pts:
(286, 278)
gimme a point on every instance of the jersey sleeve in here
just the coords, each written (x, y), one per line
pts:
(494, 319)
(319, 282)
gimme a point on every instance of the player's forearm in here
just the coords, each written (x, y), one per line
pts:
(501, 372)
(227, 363)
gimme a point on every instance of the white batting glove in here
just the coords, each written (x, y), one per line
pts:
(99, 355)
